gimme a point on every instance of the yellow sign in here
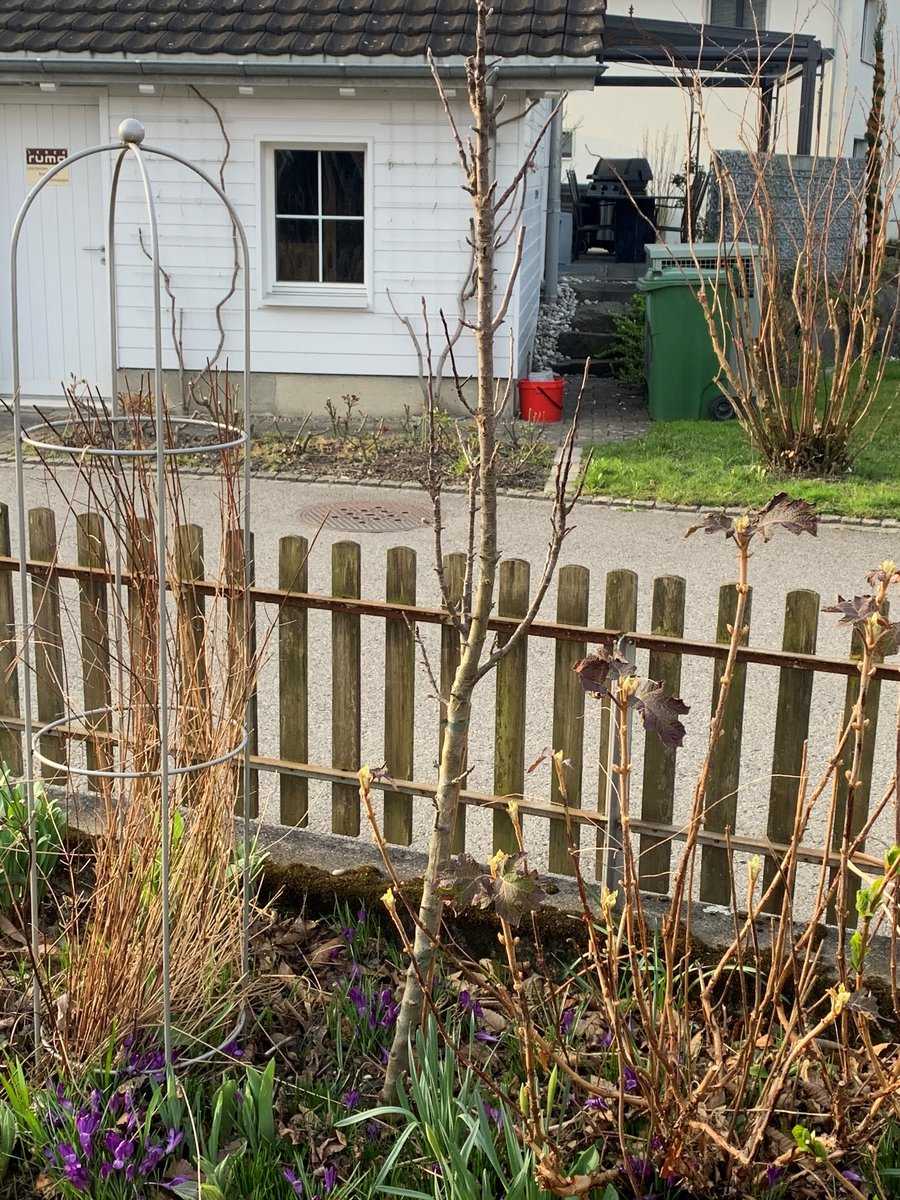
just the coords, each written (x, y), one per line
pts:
(39, 160)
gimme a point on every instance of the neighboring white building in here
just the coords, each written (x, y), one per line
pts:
(341, 168)
(619, 122)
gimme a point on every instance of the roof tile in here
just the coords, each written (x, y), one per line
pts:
(517, 28)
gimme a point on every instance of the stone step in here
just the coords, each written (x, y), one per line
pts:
(591, 318)
(602, 289)
(575, 366)
(581, 344)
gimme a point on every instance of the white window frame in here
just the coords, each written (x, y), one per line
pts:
(869, 22)
(310, 294)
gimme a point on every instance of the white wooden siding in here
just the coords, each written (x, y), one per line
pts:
(534, 219)
(419, 223)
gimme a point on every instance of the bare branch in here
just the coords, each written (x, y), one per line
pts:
(563, 504)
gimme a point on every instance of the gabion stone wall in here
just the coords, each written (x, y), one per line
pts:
(795, 183)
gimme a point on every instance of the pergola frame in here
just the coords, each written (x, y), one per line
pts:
(724, 57)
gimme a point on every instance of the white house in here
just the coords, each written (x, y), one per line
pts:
(338, 160)
(645, 115)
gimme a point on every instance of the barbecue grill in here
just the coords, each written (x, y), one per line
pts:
(613, 210)
(620, 177)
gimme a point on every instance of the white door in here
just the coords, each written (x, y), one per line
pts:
(63, 321)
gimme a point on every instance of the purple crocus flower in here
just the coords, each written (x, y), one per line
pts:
(852, 1176)
(567, 1020)
(595, 1104)
(630, 1079)
(358, 1000)
(641, 1169)
(153, 1156)
(86, 1124)
(330, 1178)
(390, 1009)
(173, 1140)
(773, 1175)
(233, 1049)
(470, 1004)
(350, 1099)
(484, 1035)
(295, 1181)
(73, 1168)
(494, 1114)
(121, 1149)
(606, 1039)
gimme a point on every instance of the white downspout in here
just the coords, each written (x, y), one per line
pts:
(554, 172)
(836, 42)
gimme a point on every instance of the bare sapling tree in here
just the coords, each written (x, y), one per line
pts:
(193, 385)
(496, 222)
(798, 328)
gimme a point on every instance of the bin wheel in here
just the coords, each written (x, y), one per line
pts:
(721, 408)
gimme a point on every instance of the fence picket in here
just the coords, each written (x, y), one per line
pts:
(190, 605)
(620, 614)
(455, 575)
(658, 790)
(860, 806)
(94, 620)
(293, 680)
(48, 649)
(801, 623)
(10, 738)
(512, 675)
(346, 706)
(241, 618)
(399, 693)
(573, 593)
(141, 606)
(725, 763)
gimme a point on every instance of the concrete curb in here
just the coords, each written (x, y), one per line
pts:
(546, 493)
(300, 861)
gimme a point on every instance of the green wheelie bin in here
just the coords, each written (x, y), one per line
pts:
(682, 367)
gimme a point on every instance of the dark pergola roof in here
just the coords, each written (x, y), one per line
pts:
(684, 46)
(722, 55)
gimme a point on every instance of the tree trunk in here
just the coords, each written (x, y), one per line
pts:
(456, 737)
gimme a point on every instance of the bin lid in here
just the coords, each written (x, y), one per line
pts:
(675, 277)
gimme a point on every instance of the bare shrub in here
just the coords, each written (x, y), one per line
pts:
(112, 982)
(801, 338)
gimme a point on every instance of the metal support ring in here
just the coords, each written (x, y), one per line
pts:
(236, 437)
(100, 773)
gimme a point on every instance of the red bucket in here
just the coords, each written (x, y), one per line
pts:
(541, 399)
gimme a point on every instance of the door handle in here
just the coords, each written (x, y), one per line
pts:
(101, 250)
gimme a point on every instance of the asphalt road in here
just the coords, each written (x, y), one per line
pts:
(649, 542)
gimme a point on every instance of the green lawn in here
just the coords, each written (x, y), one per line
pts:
(708, 462)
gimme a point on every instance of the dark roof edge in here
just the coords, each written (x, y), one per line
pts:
(102, 70)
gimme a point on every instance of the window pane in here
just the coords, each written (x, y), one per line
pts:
(296, 182)
(755, 14)
(297, 251)
(724, 12)
(342, 251)
(343, 176)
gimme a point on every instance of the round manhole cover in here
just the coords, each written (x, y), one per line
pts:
(367, 516)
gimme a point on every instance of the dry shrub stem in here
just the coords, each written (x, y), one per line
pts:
(803, 337)
(110, 985)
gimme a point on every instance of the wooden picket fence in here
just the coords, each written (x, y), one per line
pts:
(290, 602)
